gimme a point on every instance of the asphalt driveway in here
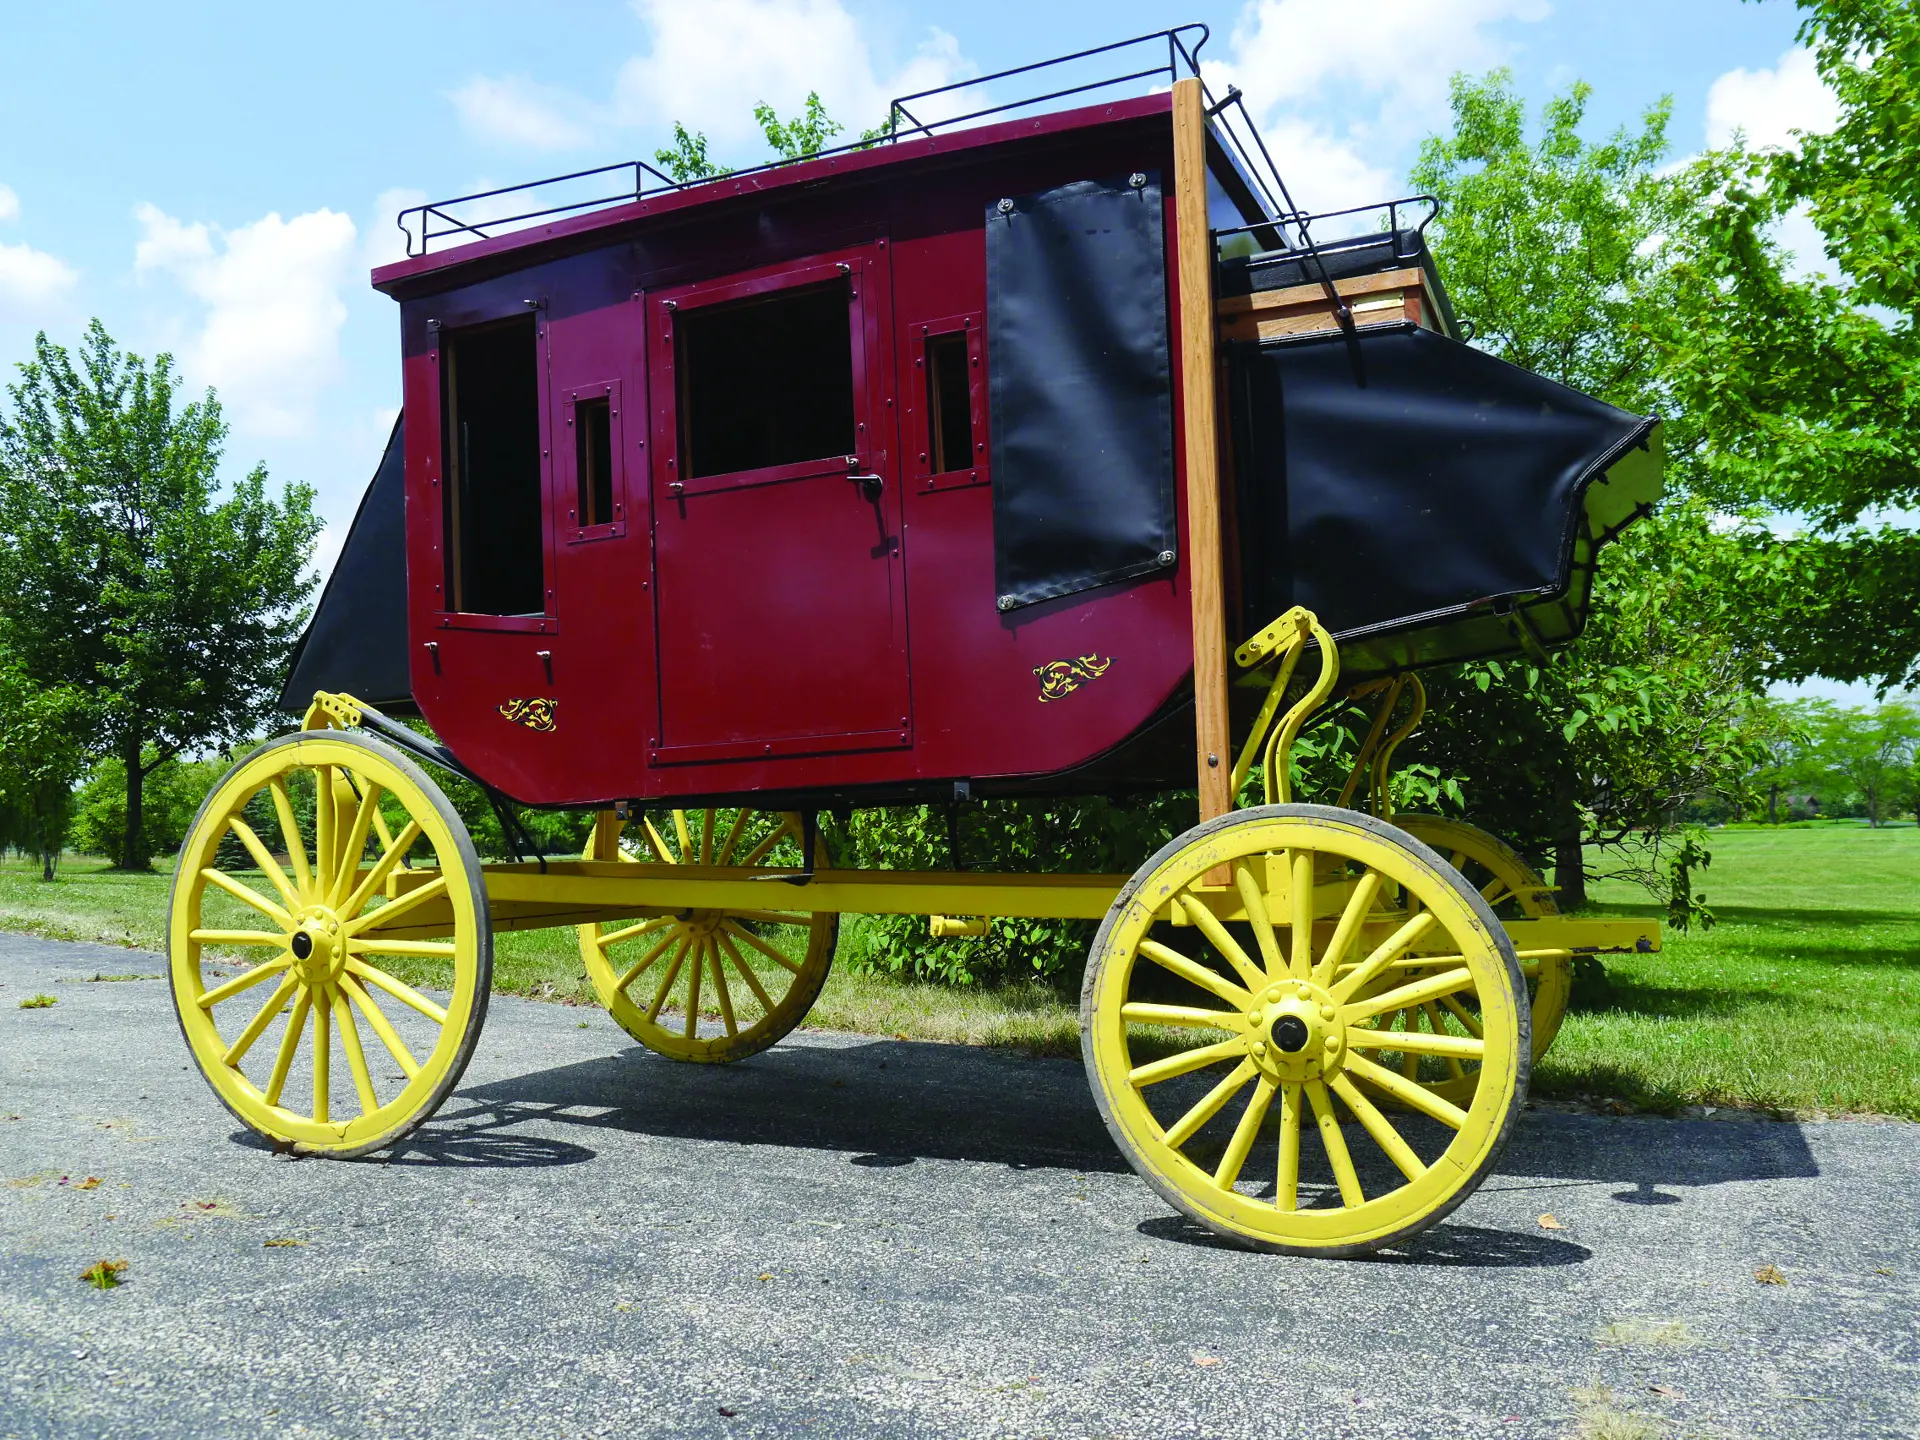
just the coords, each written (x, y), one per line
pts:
(866, 1237)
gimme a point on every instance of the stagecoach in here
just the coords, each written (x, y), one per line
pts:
(1037, 448)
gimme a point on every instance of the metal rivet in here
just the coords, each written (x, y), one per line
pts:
(1326, 1012)
(1006, 207)
(1165, 557)
(1253, 1017)
(1005, 602)
(1137, 180)
(1273, 992)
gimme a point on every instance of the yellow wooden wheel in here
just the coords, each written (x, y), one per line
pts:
(298, 911)
(1228, 1065)
(1515, 891)
(753, 974)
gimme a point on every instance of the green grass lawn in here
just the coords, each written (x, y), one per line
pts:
(1805, 997)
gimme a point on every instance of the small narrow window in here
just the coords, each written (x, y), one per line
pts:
(491, 455)
(593, 455)
(949, 403)
(766, 382)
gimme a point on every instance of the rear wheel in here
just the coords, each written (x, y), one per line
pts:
(1233, 1033)
(751, 975)
(331, 996)
(1515, 892)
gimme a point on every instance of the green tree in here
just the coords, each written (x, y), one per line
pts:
(1870, 752)
(128, 579)
(806, 134)
(687, 159)
(40, 759)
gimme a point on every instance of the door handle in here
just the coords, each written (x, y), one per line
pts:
(870, 485)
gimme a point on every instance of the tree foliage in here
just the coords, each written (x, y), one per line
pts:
(167, 608)
(40, 759)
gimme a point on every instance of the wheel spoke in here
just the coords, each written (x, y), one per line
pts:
(1359, 1038)
(399, 989)
(1286, 1194)
(1208, 924)
(356, 1057)
(765, 847)
(694, 972)
(1344, 1175)
(1379, 1127)
(355, 844)
(639, 967)
(746, 971)
(706, 837)
(1258, 919)
(733, 835)
(1439, 1027)
(424, 949)
(1359, 906)
(290, 833)
(1185, 1062)
(383, 1027)
(1390, 950)
(396, 851)
(289, 1043)
(326, 820)
(742, 933)
(1408, 1092)
(259, 938)
(376, 920)
(245, 981)
(1231, 1163)
(720, 991)
(249, 896)
(268, 865)
(1140, 1012)
(256, 1027)
(644, 927)
(1427, 988)
(1300, 964)
(654, 842)
(1211, 981)
(1465, 1016)
(1210, 1104)
(666, 983)
(322, 1059)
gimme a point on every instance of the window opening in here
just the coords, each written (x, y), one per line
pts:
(766, 382)
(593, 456)
(492, 459)
(949, 403)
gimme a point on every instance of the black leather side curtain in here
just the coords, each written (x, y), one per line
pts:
(1080, 390)
(357, 639)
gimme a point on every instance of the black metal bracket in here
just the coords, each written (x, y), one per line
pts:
(520, 841)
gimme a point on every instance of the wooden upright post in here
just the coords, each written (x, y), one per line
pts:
(1205, 560)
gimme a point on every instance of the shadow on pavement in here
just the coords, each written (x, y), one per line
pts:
(1467, 1246)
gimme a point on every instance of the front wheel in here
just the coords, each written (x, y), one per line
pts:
(300, 881)
(1232, 1027)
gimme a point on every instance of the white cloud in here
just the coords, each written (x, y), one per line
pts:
(515, 111)
(270, 338)
(32, 282)
(1332, 110)
(9, 204)
(1769, 105)
(712, 63)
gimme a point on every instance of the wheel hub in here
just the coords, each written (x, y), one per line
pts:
(319, 949)
(1296, 1031)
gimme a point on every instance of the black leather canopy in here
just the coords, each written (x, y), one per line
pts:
(1429, 502)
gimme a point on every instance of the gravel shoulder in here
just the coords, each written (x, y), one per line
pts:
(867, 1237)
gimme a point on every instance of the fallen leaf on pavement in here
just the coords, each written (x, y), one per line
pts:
(104, 1274)
(1205, 1360)
(92, 1182)
(1548, 1222)
(729, 1413)
(1669, 1391)
(280, 1244)
(1770, 1275)
(767, 1276)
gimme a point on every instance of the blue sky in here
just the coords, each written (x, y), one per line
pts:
(217, 179)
